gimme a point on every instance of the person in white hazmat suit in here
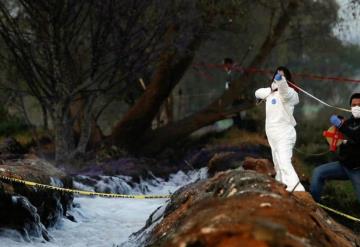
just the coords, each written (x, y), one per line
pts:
(281, 99)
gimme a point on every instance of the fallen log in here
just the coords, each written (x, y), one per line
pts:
(242, 208)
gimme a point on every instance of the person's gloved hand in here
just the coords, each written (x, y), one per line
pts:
(277, 77)
(335, 120)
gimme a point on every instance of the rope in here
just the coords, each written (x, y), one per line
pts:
(297, 184)
(271, 72)
(339, 213)
(296, 149)
(265, 71)
(322, 153)
(113, 195)
(317, 99)
(310, 95)
(81, 192)
(347, 216)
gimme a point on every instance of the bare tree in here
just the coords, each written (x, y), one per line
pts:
(68, 51)
(168, 74)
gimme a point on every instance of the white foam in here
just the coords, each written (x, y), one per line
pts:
(107, 221)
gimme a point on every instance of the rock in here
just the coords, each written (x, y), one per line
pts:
(200, 158)
(16, 212)
(32, 168)
(231, 160)
(136, 168)
(243, 208)
(217, 158)
(31, 209)
(224, 161)
(263, 166)
(10, 148)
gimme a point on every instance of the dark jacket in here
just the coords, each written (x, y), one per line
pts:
(349, 154)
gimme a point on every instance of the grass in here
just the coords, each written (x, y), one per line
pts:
(237, 137)
(341, 196)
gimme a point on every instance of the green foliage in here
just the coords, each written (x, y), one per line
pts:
(10, 125)
(341, 196)
(113, 152)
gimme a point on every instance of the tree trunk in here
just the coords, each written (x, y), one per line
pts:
(155, 140)
(138, 119)
(86, 131)
(85, 134)
(169, 109)
(45, 117)
(64, 138)
(75, 130)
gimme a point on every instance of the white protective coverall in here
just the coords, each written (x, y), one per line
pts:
(279, 127)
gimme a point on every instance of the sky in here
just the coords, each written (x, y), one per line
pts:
(348, 28)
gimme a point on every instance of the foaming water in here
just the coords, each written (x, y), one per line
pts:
(106, 221)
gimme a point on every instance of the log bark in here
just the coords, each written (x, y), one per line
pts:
(242, 208)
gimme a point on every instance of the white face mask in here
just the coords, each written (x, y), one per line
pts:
(274, 86)
(355, 110)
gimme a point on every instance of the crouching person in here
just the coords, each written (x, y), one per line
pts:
(348, 165)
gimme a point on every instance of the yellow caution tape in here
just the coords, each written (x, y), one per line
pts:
(113, 195)
(82, 192)
(339, 213)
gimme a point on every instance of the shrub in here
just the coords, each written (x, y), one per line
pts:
(10, 125)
